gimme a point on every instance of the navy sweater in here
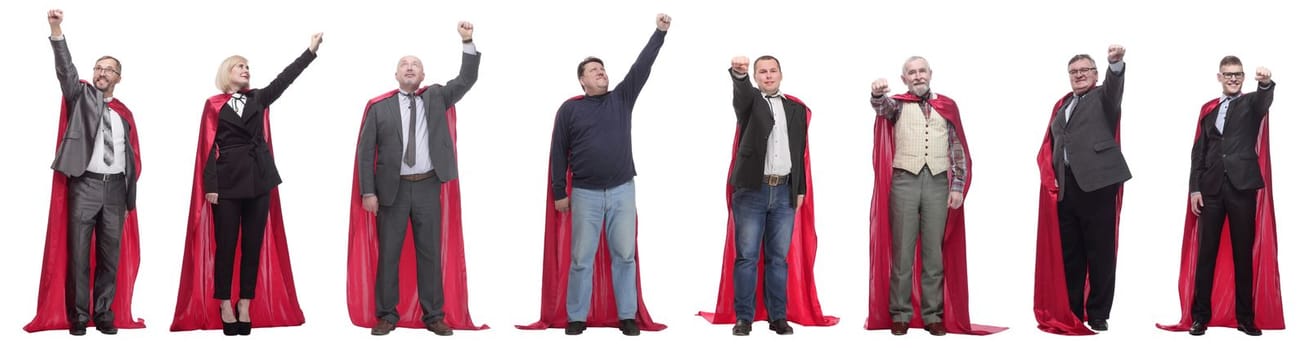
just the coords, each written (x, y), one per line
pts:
(592, 134)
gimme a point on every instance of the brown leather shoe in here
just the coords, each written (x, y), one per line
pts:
(899, 328)
(936, 329)
(440, 328)
(383, 327)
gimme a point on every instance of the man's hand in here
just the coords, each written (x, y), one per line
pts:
(955, 199)
(212, 198)
(663, 21)
(562, 205)
(56, 18)
(880, 87)
(370, 203)
(1115, 53)
(799, 199)
(314, 41)
(1263, 76)
(465, 30)
(740, 65)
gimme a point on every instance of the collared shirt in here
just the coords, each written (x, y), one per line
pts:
(237, 103)
(97, 164)
(778, 153)
(1221, 112)
(422, 163)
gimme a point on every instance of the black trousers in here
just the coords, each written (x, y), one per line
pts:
(97, 204)
(1238, 207)
(238, 220)
(1087, 222)
(417, 203)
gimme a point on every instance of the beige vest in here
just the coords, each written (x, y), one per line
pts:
(921, 141)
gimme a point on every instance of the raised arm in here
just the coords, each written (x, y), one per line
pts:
(274, 90)
(742, 92)
(639, 72)
(1262, 97)
(69, 82)
(454, 90)
(1114, 82)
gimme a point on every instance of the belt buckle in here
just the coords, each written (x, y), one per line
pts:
(773, 180)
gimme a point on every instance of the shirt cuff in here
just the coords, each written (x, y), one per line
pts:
(57, 38)
(470, 48)
(1117, 67)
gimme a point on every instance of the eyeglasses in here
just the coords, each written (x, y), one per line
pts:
(1085, 70)
(99, 69)
(1233, 75)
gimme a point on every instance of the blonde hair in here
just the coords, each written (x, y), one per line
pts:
(223, 80)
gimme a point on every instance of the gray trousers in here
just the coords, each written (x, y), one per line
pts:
(919, 205)
(98, 206)
(417, 203)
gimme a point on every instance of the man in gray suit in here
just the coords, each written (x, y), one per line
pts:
(405, 154)
(96, 154)
(1088, 161)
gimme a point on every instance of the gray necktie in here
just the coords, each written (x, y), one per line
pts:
(410, 149)
(107, 136)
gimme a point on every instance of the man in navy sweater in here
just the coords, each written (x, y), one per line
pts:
(592, 138)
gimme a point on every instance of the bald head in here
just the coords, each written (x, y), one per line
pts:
(409, 73)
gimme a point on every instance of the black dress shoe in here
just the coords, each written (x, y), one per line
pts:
(77, 329)
(742, 328)
(575, 328)
(107, 329)
(1249, 328)
(1099, 325)
(1198, 328)
(781, 327)
(628, 327)
(231, 328)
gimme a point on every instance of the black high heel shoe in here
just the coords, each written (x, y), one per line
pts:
(242, 328)
(229, 328)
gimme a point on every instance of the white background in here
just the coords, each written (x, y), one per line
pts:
(1004, 62)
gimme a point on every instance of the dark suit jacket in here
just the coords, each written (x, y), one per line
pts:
(1090, 137)
(382, 142)
(240, 164)
(85, 104)
(754, 122)
(1230, 154)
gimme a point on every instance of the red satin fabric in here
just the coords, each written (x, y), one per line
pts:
(1052, 312)
(51, 312)
(956, 316)
(361, 269)
(554, 275)
(1267, 276)
(275, 304)
(802, 304)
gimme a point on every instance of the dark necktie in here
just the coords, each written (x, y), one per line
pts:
(107, 136)
(411, 148)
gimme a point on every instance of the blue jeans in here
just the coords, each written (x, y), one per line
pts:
(764, 220)
(613, 210)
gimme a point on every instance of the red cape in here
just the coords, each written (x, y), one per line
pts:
(1052, 312)
(361, 269)
(802, 304)
(275, 304)
(1267, 276)
(554, 275)
(954, 247)
(51, 312)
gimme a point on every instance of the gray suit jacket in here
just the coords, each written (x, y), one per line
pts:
(1090, 137)
(382, 143)
(85, 104)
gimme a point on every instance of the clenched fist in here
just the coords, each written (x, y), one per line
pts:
(880, 87)
(465, 30)
(663, 21)
(314, 41)
(1263, 75)
(1115, 53)
(740, 65)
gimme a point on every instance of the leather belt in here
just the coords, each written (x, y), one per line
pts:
(102, 177)
(418, 177)
(776, 180)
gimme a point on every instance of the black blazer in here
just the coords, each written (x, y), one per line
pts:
(754, 121)
(381, 142)
(1231, 154)
(240, 164)
(1090, 137)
